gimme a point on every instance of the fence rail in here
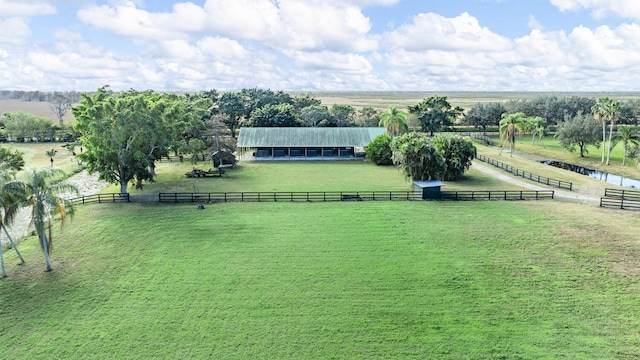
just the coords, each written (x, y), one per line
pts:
(622, 194)
(499, 195)
(101, 198)
(620, 203)
(288, 196)
(527, 175)
(484, 138)
(350, 196)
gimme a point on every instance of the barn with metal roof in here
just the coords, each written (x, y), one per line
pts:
(306, 143)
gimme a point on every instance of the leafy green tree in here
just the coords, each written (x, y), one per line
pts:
(258, 98)
(313, 115)
(630, 112)
(123, 134)
(341, 115)
(13, 159)
(303, 101)
(581, 130)
(23, 126)
(458, 153)
(395, 121)
(509, 126)
(418, 157)
(281, 115)
(234, 105)
(435, 113)
(44, 197)
(485, 115)
(368, 116)
(629, 136)
(379, 150)
(196, 148)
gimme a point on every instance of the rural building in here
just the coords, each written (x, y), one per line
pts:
(430, 189)
(291, 143)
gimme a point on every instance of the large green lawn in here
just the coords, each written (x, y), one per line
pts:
(422, 280)
(445, 280)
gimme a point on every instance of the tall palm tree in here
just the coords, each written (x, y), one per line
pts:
(44, 196)
(601, 112)
(509, 125)
(613, 111)
(628, 135)
(9, 203)
(395, 121)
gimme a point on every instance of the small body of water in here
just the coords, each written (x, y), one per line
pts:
(595, 174)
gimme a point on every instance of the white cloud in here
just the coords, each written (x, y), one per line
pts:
(601, 8)
(433, 31)
(21, 8)
(348, 63)
(13, 31)
(295, 24)
(222, 48)
(128, 20)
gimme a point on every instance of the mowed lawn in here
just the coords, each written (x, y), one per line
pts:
(350, 280)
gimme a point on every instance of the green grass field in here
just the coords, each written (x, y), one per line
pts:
(443, 280)
(350, 280)
(553, 150)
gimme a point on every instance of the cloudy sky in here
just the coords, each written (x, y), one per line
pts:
(316, 45)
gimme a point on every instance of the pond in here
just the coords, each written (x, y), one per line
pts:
(595, 174)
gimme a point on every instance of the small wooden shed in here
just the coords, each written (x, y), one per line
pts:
(430, 189)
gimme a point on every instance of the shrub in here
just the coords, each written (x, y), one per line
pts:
(458, 153)
(379, 150)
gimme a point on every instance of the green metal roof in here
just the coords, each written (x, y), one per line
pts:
(307, 136)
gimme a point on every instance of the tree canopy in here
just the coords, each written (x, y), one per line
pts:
(580, 130)
(435, 113)
(125, 133)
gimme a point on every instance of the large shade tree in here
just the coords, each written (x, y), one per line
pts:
(313, 115)
(281, 115)
(234, 105)
(484, 115)
(581, 131)
(435, 113)
(124, 134)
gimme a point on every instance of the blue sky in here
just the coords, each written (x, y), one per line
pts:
(316, 45)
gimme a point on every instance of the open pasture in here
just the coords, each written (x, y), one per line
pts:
(418, 280)
(367, 280)
(296, 176)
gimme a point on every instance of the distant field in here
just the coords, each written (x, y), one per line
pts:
(465, 99)
(377, 99)
(38, 108)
